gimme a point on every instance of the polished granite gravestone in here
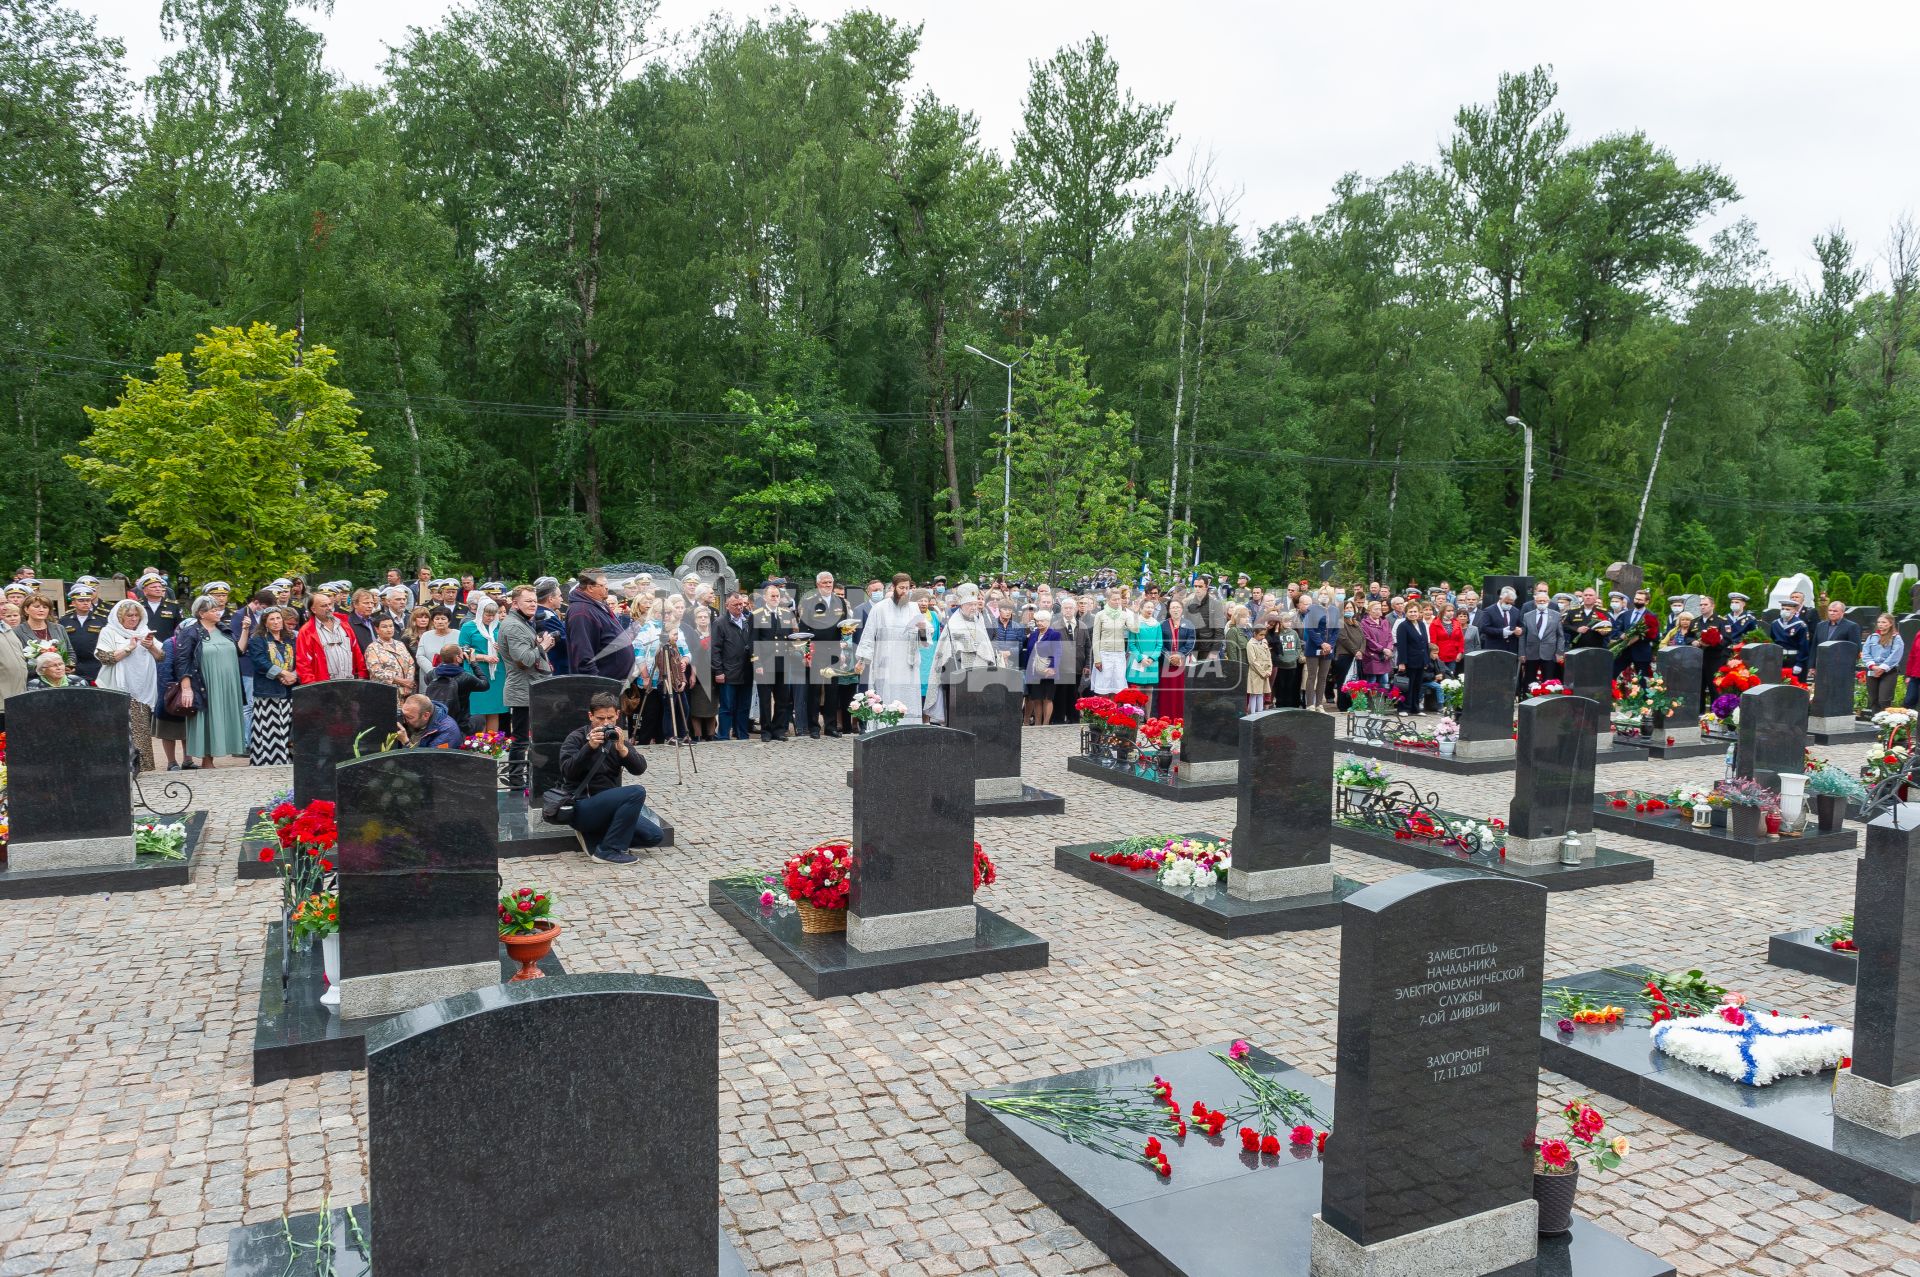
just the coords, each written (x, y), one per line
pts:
(294, 1035)
(69, 777)
(1789, 1122)
(1830, 711)
(1282, 876)
(1614, 811)
(628, 1174)
(1486, 705)
(1490, 589)
(1588, 672)
(1763, 659)
(1683, 670)
(911, 916)
(1553, 782)
(1863, 616)
(555, 706)
(1882, 1089)
(1222, 1213)
(419, 867)
(1431, 1118)
(1801, 950)
(332, 723)
(1210, 734)
(987, 704)
(144, 872)
(1773, 733)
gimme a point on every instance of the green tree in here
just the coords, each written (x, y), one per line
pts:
(1074, 508)
(773, 459)
(247, 466)
(1840, 586)
(1871, 590)
(1723, 585)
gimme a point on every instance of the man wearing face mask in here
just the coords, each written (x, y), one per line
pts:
(1543, 639)
(1499, 623)
(1740, 622)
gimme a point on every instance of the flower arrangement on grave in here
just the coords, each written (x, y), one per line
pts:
(1355, 774)
(317, 916)
(1583, 1141)
(1446, 729)
(1143, 851)
(1453, 693)
(985, 872)
(1477, 837)
(150, 838)
(1406, 735)
(1735, 676)
(1190, 864)
(1886, 761)
(819, 881)
(1162, 733)
(868, 708)
(1828, 781)
(300, 841)
(1548, 687)
(1661, 996)
(1688, 798)
(1709, 1026)
(1366, 697)
(492, 744)
(1637, 697)
(1744, 791)
(1839, 936)
(1639, 801)
(527, 929)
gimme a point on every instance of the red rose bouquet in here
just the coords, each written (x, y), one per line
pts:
(820, 876)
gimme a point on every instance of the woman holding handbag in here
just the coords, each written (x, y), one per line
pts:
(206, 686)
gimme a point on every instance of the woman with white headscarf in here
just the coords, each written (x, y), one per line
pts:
(128, 654)
(480, 635)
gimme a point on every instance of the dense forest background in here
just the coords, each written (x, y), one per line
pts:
(598, 298)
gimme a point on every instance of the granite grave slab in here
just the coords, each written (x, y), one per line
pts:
(70, 787)
(1613, 811)
(1177, 787)
(145, 872)
(1830, 718)
(1801, 950)
(331, 722)
(1882, 1089)
(987, 703)
(1763, 659)
(1773, 733)
(1489, 678)
(1553, 782)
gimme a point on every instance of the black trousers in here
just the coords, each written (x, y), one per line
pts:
(776, 707)
(825, 704)
(1538, 672)
(520, 727)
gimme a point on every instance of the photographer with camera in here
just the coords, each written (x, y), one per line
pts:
(425, 724)
(607, 814)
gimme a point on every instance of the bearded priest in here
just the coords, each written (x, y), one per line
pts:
(889, 652)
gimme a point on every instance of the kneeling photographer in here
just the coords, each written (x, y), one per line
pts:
(610, 816)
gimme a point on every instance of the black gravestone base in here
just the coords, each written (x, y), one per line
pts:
(142, 873)
(294, 1036)
(1633, 749)
(260, 1250)
(1032, 801)
(1180, 791)
(827, 967)
(1223, 1213)
(1789, 1123)
(1213, 910)
(1606, 868)
(1802, 951)
(251, 864)
(1665, 826)
(1430, 759)
(1862, 730)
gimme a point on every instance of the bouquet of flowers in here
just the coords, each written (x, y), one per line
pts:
(1191, 863)
(1640, 631)
(1583, 1141)
(153, 839)
(1446, 729)
(318, 915)
(1473, 836)
(867, 707)
(492, 744)
(985, 872)
(306, 838)
(1367, 697)
(1839, 937)
(1890, 760)
(1735, 676)
(1453, 692)
(1726, 706)
(1688, 797)
(1361, 775)
(1162, 731)
(1712, 637)
(1893, 722)
(1548, 687)
(1639, 697)
(821, 876)
(1743, 791)
(523, 910)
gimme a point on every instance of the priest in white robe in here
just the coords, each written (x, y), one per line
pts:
(962, 646)
(890, 645)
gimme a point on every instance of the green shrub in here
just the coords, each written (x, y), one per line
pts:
(1840, 586)
(1871, 589)
(1723, 585)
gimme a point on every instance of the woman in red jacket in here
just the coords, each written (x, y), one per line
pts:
(325, 649)
(1448, 634)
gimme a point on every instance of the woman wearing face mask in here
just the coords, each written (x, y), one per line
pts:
(1145, 643)
(1347, 649)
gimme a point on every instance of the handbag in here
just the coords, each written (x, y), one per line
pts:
(171, 701)
(556, 804)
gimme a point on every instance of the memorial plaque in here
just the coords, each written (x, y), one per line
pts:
(1282, 837)
(1438, 1059)
(1486, 706)
(1763, 659)
(328, 719)
(1553, 777)
(1773, 733)
(555, 706)
(69, 764)
(1210, 736)
(1833, 667)
(628, 1177)
(987, 704)
(1588, 672)
(912, 838)
(419, 878)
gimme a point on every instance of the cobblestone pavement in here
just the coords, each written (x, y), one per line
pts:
(131, 1138)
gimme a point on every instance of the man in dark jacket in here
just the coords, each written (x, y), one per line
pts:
(1076, 658)
(549, 619)
(1835, 629)
(1795, 640)
(425, 724)
(820, 614)
(1413, 655)
(1499, 623)
(732, 647)
(610, 816)
(596, 641)
(451, 683)
(776, 662)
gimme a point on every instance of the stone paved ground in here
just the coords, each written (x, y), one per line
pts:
(131, 1138)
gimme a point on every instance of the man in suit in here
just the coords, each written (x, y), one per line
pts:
(422, 587)
(1795, 640)
(1836, 628)
(733, 667)
(1543, 638)
(1499, 624)
(1076, 658)
(1638, 654)
(774, 662)
(1412, 654)
(1586, 625)
(823, 697)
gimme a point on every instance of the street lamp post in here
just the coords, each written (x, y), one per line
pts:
(1006, 472)
(1526, 490)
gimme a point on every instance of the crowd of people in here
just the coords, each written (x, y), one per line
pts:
(211, 677)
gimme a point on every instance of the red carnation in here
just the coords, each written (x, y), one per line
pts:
(1320, 1142)
(1555, 1153)
(1300, 1135)
(266, 855)
(1270, 1145)
(326, 866)
(1249, 1140)
(525, 907)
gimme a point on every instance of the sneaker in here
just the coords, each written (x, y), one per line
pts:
(617, 858)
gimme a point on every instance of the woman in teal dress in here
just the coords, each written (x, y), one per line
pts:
(1144, 648)
(206, 660)
(480, 635)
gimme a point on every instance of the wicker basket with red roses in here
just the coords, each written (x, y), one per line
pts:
(820, 879)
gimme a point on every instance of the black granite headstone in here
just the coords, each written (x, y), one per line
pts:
(1886, 926)
(987, 704)
(419, 862)
(912, 821)
(566, 1125)
(328, 719)
(1285, 802)
(555, 706)
(1210, 733)
(1553, 776)
(1486, 706)
(1763, 659)
(1863, 616)
(1682, 669)
(69, 754)
(1589, 673)
(1773, 733)
(1438, 1052)
(1833, 667)
(1490, 589)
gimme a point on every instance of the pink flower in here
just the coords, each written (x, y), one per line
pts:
(1239, 1049)
(1733, 999)
(1733, 1015)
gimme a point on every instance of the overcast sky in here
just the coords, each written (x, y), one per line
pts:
(1808, 108)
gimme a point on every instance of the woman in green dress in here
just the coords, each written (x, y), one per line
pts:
(207, 665)
(1144, 647)
(480, 635)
